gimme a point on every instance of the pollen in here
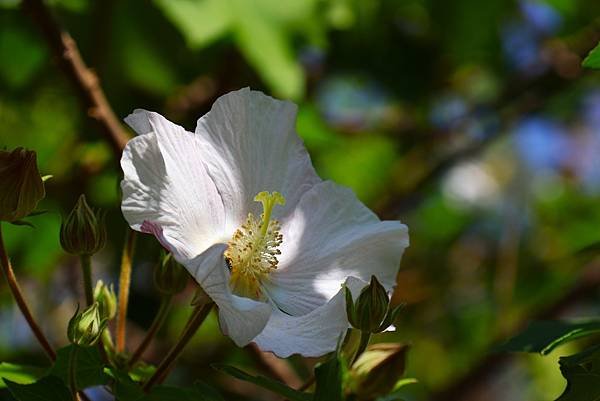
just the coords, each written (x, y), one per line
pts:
(252, 251)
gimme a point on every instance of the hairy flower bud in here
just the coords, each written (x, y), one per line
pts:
(83, 231)
(378, 369)
(21, 186)
(370, 309)
(106, 298)
(170, 277)
(85, 328)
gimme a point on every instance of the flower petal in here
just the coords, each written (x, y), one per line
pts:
(310, 335)
(330, 236)
(250, 145)
(242, 319)
(166, 189)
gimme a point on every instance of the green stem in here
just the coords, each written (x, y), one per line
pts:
(73, 371)
(124, 282)
(365, 336)
(198, 315)
(21, 303)
(157, 323)
(86, 266)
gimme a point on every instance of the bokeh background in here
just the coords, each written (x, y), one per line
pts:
(471, 121)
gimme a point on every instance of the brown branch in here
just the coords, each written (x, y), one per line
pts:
(474, 384)
(83, 78)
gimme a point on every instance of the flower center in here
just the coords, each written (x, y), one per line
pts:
(252, 251)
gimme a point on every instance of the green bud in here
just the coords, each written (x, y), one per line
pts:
(378, 369)
(21, 186)
(371, 307)
(83, 231)
(107, 300)
(85, 328)
(170, 277)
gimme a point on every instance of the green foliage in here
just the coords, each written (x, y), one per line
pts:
(582, 371)
(328, 378)
(593, 58)
(265, 382)
(545, 336)
(20, 374)
(49, 388)
(90, 367)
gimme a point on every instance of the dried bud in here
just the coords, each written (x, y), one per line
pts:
(83, 231)
(378, 369)
(107, 300)
(21, 187)
(85, 328)
(170, 277)
(370, 309)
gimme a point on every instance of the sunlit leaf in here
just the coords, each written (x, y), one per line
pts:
(593, 58)
(544, 336)
(49, 388)
(21, 374)
(90, 368)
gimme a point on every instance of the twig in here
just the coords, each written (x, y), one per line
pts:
(200, 313)
(277, 368)
(159, 319)
(20, 300)
(124, 283)
(476, 379)
(83, 78)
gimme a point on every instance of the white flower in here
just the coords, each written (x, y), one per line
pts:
(276, 277)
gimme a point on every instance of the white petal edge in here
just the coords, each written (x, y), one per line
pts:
(330, 236)
(242, 319)
(251, 145)
(314, 334)
(167, 187)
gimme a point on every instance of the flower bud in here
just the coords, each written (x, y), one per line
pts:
(170, 277)
(378, 369)
(85, 328)
(370, 309)
(107, 300)
(21, 186)
(83, 231)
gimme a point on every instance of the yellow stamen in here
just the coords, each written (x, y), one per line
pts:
(252, 251)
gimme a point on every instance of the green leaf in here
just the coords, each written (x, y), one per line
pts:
(265, 382)
(21, 374)
(90, 368)
(200, 21)
(328, 377)
(544, 336)
(200, 392)
(49, 388)
(582, 371)
(593, 58)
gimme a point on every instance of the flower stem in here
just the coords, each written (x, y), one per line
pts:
(124, 282)
(86, 266)
(159, 320)
(365, 336)
(72, 372)
(198, 315)
(18, 295)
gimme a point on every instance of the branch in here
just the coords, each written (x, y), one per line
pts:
(83, 78)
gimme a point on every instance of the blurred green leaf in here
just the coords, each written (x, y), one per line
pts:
(21, 374)
(582, 372)
(593, 58)
(544, 336)
(90, 368)
(21, 53)
(265, 382)
(49, 388)
(328, 379)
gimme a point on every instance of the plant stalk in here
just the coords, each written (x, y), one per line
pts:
(198, 315)
(73, 372)
(86, 267)
(157, 323)
(124, 283)
(20, 300)
(365, 336)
